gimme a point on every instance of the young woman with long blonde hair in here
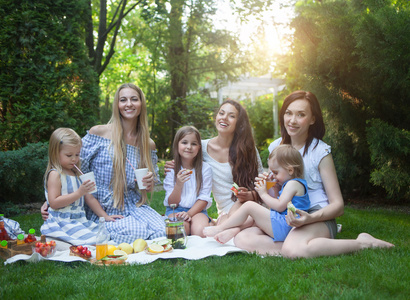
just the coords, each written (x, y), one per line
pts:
(112, 151)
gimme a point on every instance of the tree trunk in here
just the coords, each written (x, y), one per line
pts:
(178, 62)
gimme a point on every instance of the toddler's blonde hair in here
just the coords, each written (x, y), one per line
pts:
(288, 157)
(60, 137)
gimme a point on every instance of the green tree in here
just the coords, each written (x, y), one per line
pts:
(104, 19)
(46, 78)
(196, 49)
(354, 56)
(170, 63)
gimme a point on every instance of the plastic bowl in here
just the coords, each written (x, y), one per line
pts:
(45, 250)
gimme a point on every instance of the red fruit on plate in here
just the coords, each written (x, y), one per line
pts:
(84, 252)
(88, 253)
(80, 248)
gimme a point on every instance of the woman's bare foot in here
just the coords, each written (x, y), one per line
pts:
(211, 231)
(225, 236)
(369, 241)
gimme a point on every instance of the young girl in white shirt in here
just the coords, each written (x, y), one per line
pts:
(189, 183)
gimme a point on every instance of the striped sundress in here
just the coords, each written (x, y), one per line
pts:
(70, 223)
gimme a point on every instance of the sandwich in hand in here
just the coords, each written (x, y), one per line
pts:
(235, 189)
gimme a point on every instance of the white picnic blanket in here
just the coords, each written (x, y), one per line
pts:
(197, 248)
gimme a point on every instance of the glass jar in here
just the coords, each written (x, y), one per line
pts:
(175, 231)
(31, 237)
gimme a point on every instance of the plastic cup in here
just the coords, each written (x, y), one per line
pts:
(270, 184)
(89, 176)
(139, 174)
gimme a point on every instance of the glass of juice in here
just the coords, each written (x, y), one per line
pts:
(270, 184)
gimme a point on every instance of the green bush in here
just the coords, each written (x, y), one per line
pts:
(21, 174)
(46, 78)
(390, 155)
(264, 154)
(261, 118)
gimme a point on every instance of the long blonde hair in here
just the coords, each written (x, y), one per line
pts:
(60, 137)
(120, 148)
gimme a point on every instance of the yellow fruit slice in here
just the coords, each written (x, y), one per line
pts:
(155, 248)
(121, 252)
(111, 249)
(126, 247)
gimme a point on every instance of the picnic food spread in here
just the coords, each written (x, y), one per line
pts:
(139, 245)
(159, 247)
(175, 231)
(80, 251)
(45, 249)
(235, 189)
(23, 245)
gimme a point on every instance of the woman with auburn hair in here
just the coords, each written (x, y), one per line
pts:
(314, 231)
(233, 157)
(112, 152)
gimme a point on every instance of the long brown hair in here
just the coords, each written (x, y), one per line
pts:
(120, 148)
(316, 130)
(183, 131)
(242, 151)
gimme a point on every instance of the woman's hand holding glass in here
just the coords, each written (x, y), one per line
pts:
(148, 181)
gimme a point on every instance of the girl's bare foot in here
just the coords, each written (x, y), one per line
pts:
(211, 231)
(225, 236)
(369, 241)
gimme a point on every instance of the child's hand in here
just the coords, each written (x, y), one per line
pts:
(113, 217)
(182, 177)
(86, 187)
(168, 166)
(260, 187)
(264, 176)
(184, 216)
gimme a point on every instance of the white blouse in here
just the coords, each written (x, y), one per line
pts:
(222, 180)
(189, 195)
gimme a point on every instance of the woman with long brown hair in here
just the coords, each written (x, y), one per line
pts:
(233, 157)
(314, 231)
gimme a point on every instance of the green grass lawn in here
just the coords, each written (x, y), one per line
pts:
(369, 274)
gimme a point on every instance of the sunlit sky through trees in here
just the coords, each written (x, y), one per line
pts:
(275, 22)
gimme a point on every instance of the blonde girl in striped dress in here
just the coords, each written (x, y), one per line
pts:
(66, 193)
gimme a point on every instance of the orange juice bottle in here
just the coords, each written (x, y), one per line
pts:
(101, 251)
(20, 239)
(102, 240)
(3, 244)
